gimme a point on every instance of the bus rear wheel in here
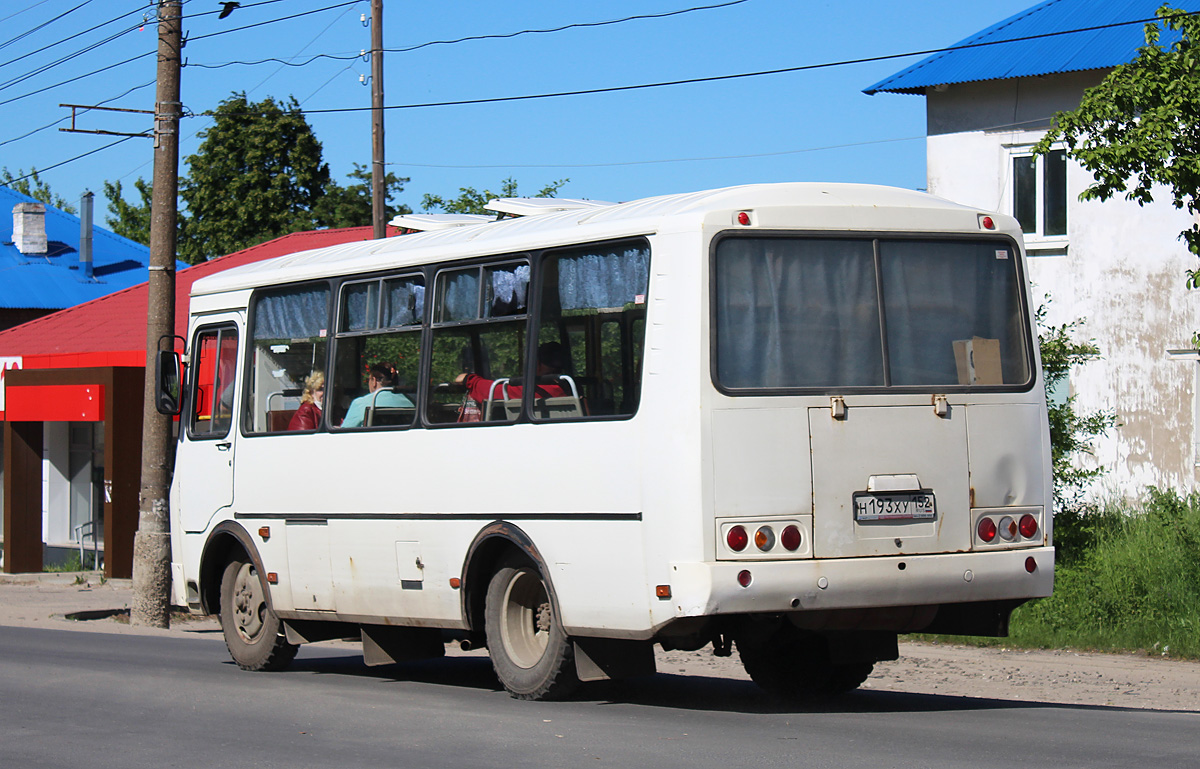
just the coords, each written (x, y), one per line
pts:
(530, 652)
(253, 634)
(795, 666)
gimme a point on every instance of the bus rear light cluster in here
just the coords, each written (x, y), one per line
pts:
(766, 538)
(1007, 528)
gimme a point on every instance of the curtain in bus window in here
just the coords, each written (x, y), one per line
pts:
(296, 314)
(797, 313)
(460, 297)
(937, 293)
(405, 303)
(361, 307)
(510, 285)
(604, 279)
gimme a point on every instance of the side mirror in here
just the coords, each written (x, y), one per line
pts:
(168, 370)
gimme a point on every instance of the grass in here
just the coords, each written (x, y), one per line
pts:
(1126, 580)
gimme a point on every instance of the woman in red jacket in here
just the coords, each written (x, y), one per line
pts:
(308, 416)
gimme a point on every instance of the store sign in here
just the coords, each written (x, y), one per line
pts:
(7, 362)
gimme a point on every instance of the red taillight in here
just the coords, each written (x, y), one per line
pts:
(744, 578)
(737, 539)
(987, 529)
(791, 538)
(987, 223)
(1030, 565)
(1028, 526)
(743, 218)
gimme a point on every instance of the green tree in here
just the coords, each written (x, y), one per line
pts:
(32, 185)
(350, 206)
(471, 201)
(1071, 432)
(258, 174)
(129, 220)
(1140, 127)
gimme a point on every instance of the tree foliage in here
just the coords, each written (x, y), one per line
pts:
(350, 205)
(472, 201)
(1140, 127)
(1071, 432)
(32, 185)
(257, 175)
(129, 220)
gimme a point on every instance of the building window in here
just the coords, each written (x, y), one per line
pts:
(1040, 193)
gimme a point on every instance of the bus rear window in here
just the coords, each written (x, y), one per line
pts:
(794, 313)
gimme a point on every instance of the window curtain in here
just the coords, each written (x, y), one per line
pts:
(603, 279)
(294, 314)
(406, 303)
(797, 313)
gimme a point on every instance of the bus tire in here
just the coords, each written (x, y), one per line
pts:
(530, 652)
(800, 668)
(253, 634)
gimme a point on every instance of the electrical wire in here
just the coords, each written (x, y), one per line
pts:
(718, 78)
(43, 25)
(68, 117)
(72, 37)
(72, 160)
(350, 57)
(78, 77)
(273, 21)
(23, 10)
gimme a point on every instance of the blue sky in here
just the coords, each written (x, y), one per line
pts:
(806, 126)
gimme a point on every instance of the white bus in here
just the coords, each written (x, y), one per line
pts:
(794, 419)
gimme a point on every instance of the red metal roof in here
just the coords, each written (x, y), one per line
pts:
(111, 330)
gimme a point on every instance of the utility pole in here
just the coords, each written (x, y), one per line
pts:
(152, 543)
(378, 193)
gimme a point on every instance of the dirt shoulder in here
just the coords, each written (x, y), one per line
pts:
(1077, 678)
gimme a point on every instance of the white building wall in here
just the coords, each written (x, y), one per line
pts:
(1121, 267)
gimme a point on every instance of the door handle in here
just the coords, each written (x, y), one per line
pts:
(224, 445)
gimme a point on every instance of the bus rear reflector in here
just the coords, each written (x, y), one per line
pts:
(737, 538)
(1030, 565)
(662, 591)
(744, 578)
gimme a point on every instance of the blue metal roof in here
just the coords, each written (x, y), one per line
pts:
(55, 281)
(1036, 48)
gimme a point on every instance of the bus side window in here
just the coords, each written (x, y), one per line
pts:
(593, 303)
(479, 327)
(379, 329)
(288, 329)
(213, 384)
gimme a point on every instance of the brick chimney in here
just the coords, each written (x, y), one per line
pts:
(29, 228)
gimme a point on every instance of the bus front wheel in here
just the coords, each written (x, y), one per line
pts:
(531, 654)
(253, 633)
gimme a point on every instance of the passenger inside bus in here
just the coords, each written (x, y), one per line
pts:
(551, 362)
(308, 416)
(379, 395)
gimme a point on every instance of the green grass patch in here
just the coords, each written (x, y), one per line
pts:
(1126, 580)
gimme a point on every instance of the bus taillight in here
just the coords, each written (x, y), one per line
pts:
(737, 538)
(764, 538)
(1028, 526)
(987, 529)
(791, 538)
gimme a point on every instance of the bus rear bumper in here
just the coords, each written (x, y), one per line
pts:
(713, 588)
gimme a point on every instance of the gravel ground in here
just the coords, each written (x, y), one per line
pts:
(1121, 680)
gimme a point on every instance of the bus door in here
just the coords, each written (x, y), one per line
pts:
(208, 447)
(889, 480)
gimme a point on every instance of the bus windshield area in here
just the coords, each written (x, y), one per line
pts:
(812, 312)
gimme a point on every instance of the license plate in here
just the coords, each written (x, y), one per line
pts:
(890, 506)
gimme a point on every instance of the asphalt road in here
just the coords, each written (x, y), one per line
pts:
(95, 700)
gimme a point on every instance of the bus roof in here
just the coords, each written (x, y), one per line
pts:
(573, 225)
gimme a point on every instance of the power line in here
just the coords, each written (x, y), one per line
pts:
(43, 25)
(72, 37)
(23, 10)
(717, 78)
(350, 57)
(68, 117)
(78, 77)
(72, 160)
(273, 21)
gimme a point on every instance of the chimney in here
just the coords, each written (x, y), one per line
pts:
(85, 234)
(29, 228)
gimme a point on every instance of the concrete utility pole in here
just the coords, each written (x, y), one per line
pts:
(378, 193)
(152, 543)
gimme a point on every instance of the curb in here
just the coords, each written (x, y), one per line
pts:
(67, 578)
